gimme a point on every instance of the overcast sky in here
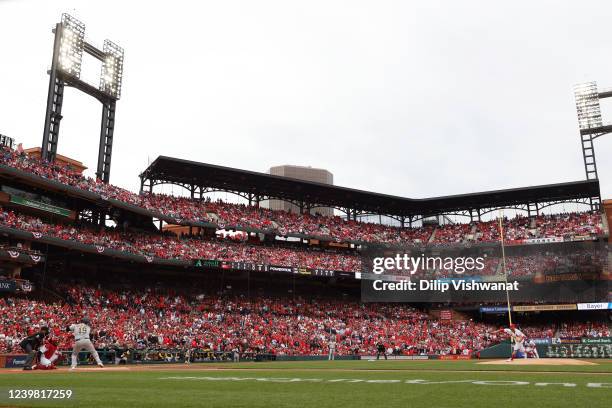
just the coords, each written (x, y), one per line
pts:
(416, 99)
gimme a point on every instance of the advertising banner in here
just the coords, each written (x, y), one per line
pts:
(455, 357)
(14, 360)
(40, 206)
(206, 263)
(567, 340)
(537, 308)
(545, 240)
(8, 285)
(597, 340)
(493, 309)
(401, 357)
(594, 306)
(246, 266)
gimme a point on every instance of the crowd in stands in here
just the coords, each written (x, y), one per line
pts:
(582, 330)
(168, 246)
(581, 224)
(452, 233)
(542, 226)
(581, 260)
(526, 265)
(155, 319)
(183, 209)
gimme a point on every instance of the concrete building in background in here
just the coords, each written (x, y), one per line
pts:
(300, 173)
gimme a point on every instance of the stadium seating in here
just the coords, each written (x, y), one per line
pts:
(166, 319)
(154, 319)
(225, 214)
(170, 247)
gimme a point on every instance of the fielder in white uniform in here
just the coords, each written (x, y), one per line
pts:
(532, 349)
(82, 341)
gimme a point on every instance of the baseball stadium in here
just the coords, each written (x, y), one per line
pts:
(217, 286)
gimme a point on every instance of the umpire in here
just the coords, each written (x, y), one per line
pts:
(381, 350)
(31, 344)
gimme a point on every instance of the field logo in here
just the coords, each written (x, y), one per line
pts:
(495, 383)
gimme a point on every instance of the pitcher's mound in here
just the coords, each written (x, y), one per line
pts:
(541, 361)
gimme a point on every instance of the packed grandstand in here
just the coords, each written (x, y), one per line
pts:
(133, 316)
(141, 319)
(227, 214)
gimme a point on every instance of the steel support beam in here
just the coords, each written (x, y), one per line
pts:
(588, 154)
(107, 129)
(55, 98)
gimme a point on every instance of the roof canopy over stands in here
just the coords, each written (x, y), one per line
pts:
(203, 177)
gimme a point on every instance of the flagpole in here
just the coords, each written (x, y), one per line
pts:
(503, 248)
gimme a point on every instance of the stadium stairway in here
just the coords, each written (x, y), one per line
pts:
(432, 236)
(604, 224)
(48, 295)
(473, 232)
(500, 269)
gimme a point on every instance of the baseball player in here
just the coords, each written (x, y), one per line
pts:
(49, 355)
(531, 349)
(81, 331)
(518, 339)
(31, 343)
(332, 348)
(381, 350)
(187, 355)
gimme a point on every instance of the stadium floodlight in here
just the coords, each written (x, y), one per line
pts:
(71, 45)
(68, 49)
(112, 69)
(591, 126)
(587, 105)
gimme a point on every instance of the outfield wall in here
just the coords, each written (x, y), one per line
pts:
(577, 347)
(591, 348)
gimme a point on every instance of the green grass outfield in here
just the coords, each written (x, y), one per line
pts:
(322, 384)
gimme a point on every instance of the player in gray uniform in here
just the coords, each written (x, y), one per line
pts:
(82, 342)
(332, 348)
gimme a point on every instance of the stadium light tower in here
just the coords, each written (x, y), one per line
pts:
(68, 49)
(591, 126)
(590, 122)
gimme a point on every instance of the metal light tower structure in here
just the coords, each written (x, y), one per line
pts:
(68, 49)
(591, 126)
